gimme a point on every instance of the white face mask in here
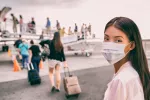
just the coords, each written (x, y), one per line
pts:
(113, 52)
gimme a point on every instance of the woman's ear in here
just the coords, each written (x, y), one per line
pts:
(132, 46)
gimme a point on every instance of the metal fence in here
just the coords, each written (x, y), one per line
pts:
(146, 46)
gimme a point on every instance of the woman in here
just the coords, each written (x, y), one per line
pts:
(23, 49)
(55, 59)
(34, 53)
(123, 48)
(21, 24)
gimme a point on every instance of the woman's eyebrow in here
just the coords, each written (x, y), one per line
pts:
(106, 35)
(118, 36)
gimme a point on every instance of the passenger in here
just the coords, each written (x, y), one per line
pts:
(62, 32)
(83, 31)
(123, 48)
(76, 28)
(23, 48)
(89, 29)
(33, 23)
(70, 31)
(34, 52)
(42, 36)
(18, 42)
(15, 22)
(16, 45)
(55, 59)
(58, 25)
(21, 24)
(48, 26)
(86, 31)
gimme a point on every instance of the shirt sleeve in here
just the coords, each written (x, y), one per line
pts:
(42, 43)
(117, 91)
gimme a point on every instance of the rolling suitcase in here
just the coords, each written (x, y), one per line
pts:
(33, 75)
(5, 48)
(71, 85)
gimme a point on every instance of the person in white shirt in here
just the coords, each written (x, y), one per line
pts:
(122, 47)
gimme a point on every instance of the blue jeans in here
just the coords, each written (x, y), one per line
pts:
(25, 60)
(36, 62)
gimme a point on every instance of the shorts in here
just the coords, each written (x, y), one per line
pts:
(52, 63)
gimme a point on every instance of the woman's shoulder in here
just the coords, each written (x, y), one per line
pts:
(127, 74)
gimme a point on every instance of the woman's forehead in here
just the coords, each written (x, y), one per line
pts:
(113, 32)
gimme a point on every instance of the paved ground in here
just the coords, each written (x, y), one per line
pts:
(93, 73)
(74, 62)
(93, 84)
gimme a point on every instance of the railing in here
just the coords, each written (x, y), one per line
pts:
(146, 46)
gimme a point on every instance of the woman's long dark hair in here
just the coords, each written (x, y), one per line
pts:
(57, 42)
(137, 55)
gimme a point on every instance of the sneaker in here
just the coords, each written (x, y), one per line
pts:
(53, 89)
(57, 90)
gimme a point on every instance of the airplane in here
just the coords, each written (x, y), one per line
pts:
(71, 43)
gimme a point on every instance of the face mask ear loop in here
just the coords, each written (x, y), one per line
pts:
(129, 50)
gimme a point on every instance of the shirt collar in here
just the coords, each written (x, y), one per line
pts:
(128, 63)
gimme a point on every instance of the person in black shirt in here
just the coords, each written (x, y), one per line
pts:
(55, 59)
(18, 42)
(33, 22)
(34, 52)
(76, 28)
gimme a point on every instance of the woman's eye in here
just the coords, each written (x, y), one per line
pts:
(106, 39)
(118, 41)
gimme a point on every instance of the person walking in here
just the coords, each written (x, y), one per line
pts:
(76, 28)
(15, 22)
(70, 31)
(23, 48)
(48, 26)
(56, 59)
(62, 32)
(18, 42)
(34, 52)
(58, 25)
(33, 22)
(83, 31)
(122, 47)
(89, 29)
(21, 24)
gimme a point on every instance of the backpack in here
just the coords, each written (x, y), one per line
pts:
(46, 49)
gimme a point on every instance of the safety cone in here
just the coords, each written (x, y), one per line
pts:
(41, 64)
(9, 53)
(16, 66)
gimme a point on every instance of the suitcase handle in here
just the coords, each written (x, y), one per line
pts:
(66, 72)
(29, 68)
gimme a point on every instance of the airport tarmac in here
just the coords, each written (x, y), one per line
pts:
(93, 72)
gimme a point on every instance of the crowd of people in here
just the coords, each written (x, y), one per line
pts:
(30, 26)
(84, 32)
(122, 48)
(32, 54)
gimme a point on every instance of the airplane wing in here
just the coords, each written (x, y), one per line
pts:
(3, 12)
